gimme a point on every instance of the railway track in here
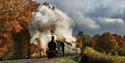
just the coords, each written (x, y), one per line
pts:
(38, 60)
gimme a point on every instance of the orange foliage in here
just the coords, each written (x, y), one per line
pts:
(119, 39)
(17, 26)
(14, 15)
(4, 43)
(16, 12)
(107, 41)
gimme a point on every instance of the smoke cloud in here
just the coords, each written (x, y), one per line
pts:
(48, 21)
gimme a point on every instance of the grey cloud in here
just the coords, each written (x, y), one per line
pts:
(94, 16)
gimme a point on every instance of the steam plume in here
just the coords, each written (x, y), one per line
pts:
(48, 21)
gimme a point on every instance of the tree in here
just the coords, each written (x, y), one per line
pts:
(94, 41)
(15, 15)
(5, 44)
(121, 42)
(80, 39)
(83, 40)
(87, 40)
(107, 42)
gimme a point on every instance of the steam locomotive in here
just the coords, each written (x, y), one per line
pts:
(66, 50)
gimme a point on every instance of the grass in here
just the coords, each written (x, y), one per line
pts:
(97, 57)
(69, 60)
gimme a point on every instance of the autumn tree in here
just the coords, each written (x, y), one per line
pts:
(94, 41)
(121, 42)
(79, 40)
(106, 42)
(15, 15)
(83, 40)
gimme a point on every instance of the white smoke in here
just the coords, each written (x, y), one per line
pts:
(48, 21)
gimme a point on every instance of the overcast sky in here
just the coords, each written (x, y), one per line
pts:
(94, 16)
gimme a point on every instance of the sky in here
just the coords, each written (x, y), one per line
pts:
(94, 16)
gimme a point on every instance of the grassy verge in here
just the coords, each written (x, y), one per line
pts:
(97, 57)
(69, 60)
